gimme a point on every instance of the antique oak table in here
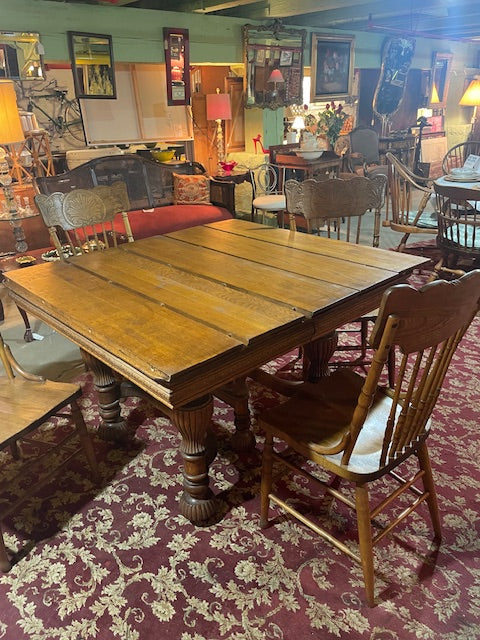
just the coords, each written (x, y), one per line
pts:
(190, 314)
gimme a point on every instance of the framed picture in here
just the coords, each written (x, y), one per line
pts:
(177, 66)
(332, 66)
(91, 55)
(286, 58)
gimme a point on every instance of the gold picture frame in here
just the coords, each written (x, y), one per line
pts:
(332, 67)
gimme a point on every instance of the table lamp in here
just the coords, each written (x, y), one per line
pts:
(277, 78)
(298, 125)
(218, 109)
(471, 98)
(11, 132)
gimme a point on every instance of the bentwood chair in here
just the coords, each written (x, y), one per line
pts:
(409, 196)
(458, 229)
(358, 431)
(267, 185)
(456, 156)
(27, 401)
(336, 208)
(85, 220)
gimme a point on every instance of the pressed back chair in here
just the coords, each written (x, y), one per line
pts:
(409, 196)
(267, 186)
(26, 402)
(458, 229)
(456, 155)
(359, 431)
(336, 208)
(87, 218)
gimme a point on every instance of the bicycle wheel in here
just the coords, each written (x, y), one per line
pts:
(73, 123)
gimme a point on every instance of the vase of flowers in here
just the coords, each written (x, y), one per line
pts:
(330, 122)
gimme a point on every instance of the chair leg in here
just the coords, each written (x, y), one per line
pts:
(424, 460)
(5, 564)
(365, 541)
(266, 483)
(85, 439)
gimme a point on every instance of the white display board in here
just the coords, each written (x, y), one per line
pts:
(139, 114)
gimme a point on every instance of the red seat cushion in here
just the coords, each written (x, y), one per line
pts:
(171, 218)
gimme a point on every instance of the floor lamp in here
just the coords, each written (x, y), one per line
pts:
(218, 109)
(471, 98)
(11, 132)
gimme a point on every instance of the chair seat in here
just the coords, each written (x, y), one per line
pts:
(428, 220)
(44, 400)
(331, 403)
(270, 202)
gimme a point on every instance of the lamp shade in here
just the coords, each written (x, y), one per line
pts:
(298, 123)
(471, 97)
(10, 124)
(218, 106)
(276, 76)
(434, 99)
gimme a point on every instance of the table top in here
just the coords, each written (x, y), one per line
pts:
(291, 160)
(182, 314)
(475, 184)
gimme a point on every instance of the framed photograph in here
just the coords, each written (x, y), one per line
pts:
(177, 66)
(91, 55)
(286, 58)
(332, 66)
(260, 57)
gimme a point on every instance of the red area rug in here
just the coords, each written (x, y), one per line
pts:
(118, 562)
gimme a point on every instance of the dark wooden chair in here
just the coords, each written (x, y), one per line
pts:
(456, 155)
(458, 229)
(358, 431)
(26, 402)
(336, 208)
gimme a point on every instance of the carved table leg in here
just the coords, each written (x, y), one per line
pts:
(197, 503)
(316, 355)
(236, 395)
(113, 427)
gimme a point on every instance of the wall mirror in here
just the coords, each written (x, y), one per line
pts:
(91, 56)
(273, 65)
(20, 55)
(440, 79)
(397, 57)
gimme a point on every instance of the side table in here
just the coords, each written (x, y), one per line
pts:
(234, 178)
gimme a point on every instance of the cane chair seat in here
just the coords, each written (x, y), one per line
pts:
(27, 401)
(357, 430)
(336, 208)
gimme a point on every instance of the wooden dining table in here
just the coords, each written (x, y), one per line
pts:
(185, 316)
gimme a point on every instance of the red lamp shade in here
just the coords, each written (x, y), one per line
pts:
(218, 106)
(276, 76)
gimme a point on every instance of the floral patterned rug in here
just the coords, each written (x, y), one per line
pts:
(117, 561)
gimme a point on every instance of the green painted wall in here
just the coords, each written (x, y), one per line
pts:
(137, 37)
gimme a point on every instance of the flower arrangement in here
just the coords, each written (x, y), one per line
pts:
(330, 122)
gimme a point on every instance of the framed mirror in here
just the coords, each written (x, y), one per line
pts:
(273, 65)
(440, 79)
(20, 55)
(91, 55)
